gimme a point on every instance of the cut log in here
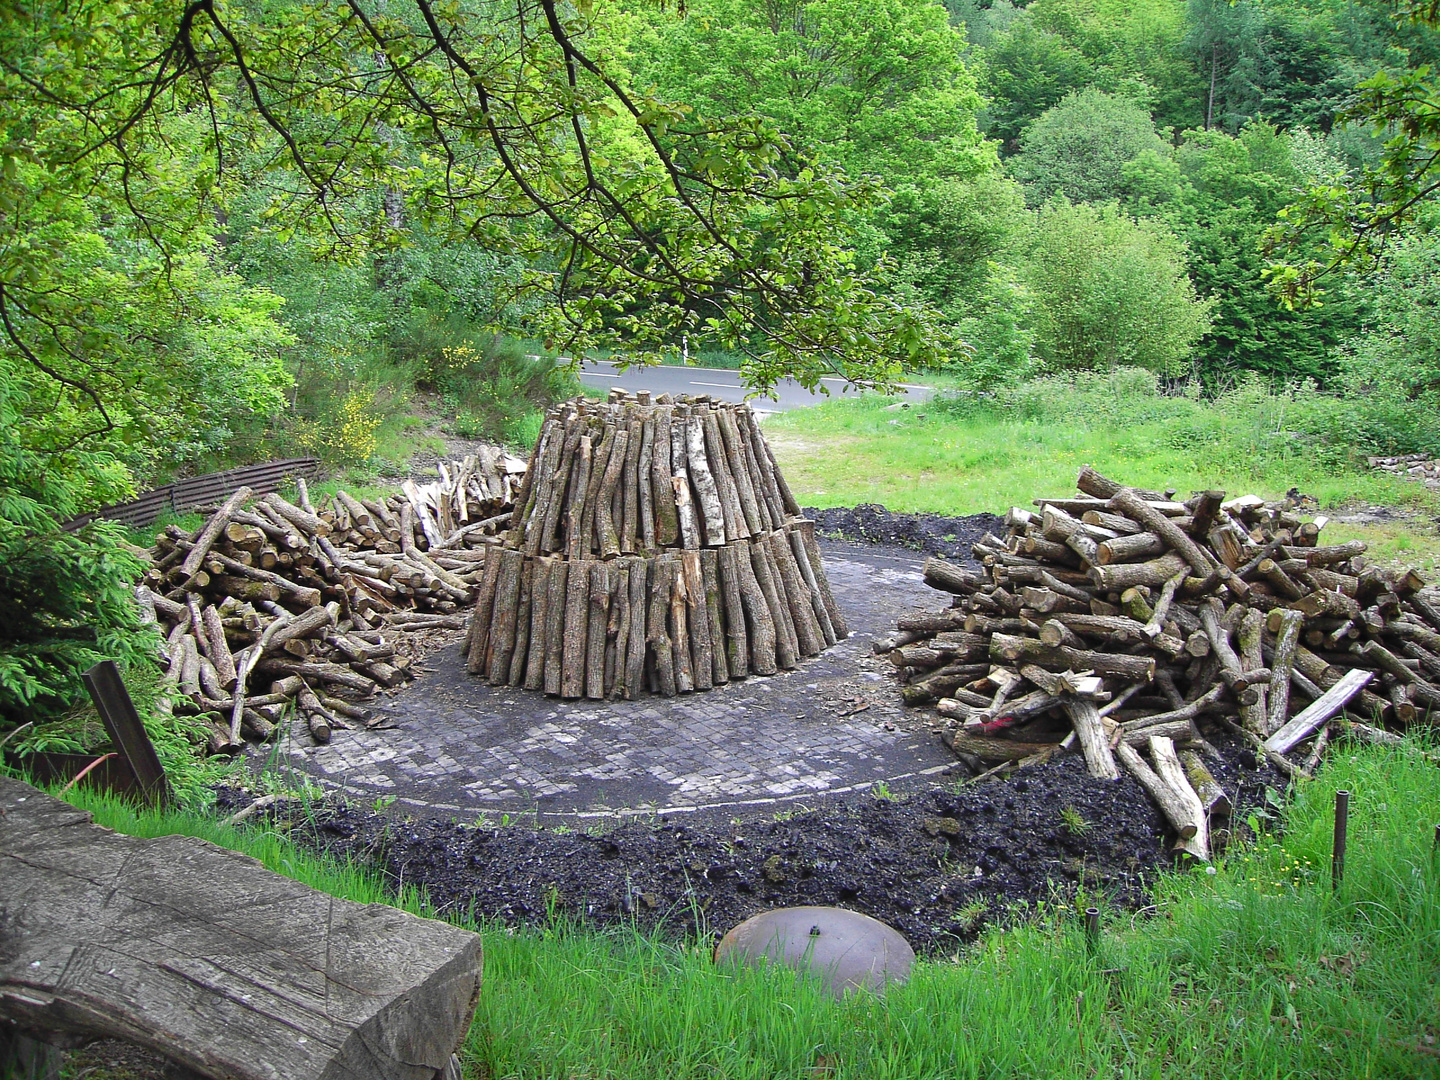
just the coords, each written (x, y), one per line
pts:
(1168, 767)
(212, 530)
(636, 648)
(539, 624)
(291, 983)
(1005, 648)
(662, 585)
(577, 621)
(597, 633)
(773, 604)
(990, 749)
(1090, 732)
(697, 616)
(1286, 626)
(506, 617)
(555, 626)
(1212, 796)
(1170, 802)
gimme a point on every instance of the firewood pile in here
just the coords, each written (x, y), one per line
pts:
(282, 605)
(1421, 467)
(1124, 622)
(654, 546)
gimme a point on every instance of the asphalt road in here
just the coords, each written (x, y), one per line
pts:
(719, 383)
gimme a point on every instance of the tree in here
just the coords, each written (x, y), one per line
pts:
(1397, 357)
(1079, 147)
(1128, 48)
(1219, 193)
(493, 124)
(1350, 215)
(1110, 291)
(876, 86)
(1029, 70)
(64, 599)
(943, 236)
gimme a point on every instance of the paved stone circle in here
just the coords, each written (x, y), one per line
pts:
(449, 744)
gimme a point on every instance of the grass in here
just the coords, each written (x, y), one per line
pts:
(954, 457)
(1258, 970)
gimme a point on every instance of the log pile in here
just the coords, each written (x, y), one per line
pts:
(1122, 621)
(1421, 467)
(654, 546)
(274, 605)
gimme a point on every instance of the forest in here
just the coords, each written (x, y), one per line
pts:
(239, 231)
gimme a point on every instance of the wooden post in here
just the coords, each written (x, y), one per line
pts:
(123, 725)
(1337, 851)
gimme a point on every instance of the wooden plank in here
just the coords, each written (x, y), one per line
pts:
(206, 957)
(1322, 709)
(122, 724)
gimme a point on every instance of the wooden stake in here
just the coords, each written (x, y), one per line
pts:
(710, 571)
(555, 621)
(599, 626)
(577, 620)
(539, 617)
(697, 614)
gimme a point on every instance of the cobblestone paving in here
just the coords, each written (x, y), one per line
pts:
(449, 744)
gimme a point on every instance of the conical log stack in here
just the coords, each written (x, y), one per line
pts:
(656, 546)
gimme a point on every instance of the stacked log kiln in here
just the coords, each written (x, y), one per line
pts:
(654, 546)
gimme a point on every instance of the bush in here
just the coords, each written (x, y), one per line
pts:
(491, 387)
(1110, 291)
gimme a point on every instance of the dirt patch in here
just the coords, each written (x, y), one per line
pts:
(932, 534)
(937, 865)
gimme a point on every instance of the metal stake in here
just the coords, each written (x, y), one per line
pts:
(1342, 821)
(122, 724)
(1092, 929)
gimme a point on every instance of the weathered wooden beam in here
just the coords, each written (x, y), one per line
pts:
(206, 957)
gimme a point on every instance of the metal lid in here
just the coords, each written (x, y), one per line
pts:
(845, 949)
